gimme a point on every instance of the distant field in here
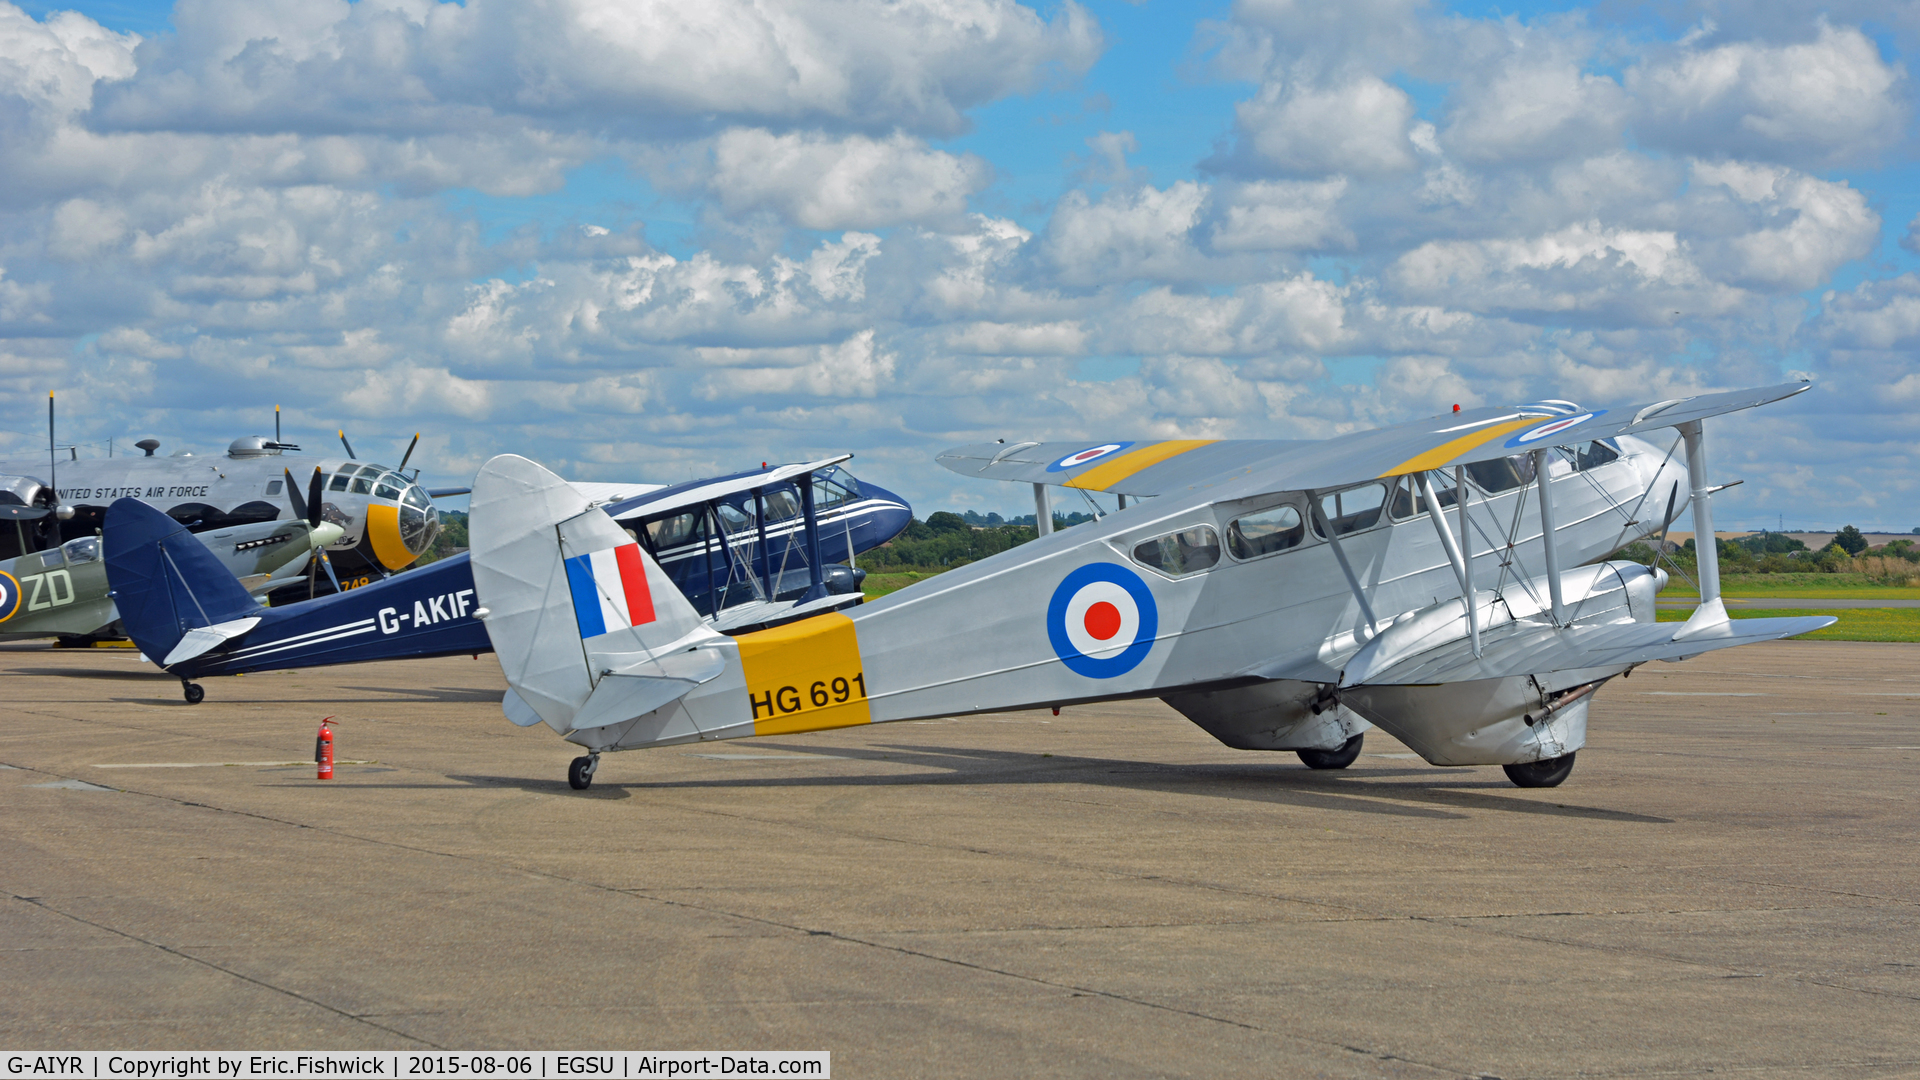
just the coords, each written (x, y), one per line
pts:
(1856, 624)
(1809, 586)
(878, 585)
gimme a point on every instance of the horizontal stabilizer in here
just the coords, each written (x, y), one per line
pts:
(518, 711)
(617, 699)
(1532, 648)
(202, 638)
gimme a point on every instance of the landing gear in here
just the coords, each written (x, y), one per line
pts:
(193, 692)
(580, 773)
(1333, 759)
(1548, 773)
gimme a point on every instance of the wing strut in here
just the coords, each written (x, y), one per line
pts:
(1706, 547)
(1462, 566)
(1547, 536)
(1042, 510)
(1340, 555)
(1466, 562)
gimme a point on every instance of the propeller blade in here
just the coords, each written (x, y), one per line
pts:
(1667, 521)
(52, 467)
(313, 499)
(327, 565)
(293, 495)
(276, 423)
(345, 443)
(404, 458)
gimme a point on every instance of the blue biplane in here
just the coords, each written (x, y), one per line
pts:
(750, 550)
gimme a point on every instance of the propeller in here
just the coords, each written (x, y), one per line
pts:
(309, 508)
(408, 456)
(348, 445)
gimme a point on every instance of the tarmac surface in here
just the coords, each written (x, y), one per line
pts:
(1726, 883)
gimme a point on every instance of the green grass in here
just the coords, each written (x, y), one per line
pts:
(880, 584)
(1798, 586)
(1856, 624)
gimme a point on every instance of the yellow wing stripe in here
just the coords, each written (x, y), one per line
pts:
(1100, 477)
(1447, 451)
(805, 676)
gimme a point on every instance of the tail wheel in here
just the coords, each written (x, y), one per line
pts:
(1548, 773)
(580, 773)
(194, 693)
(1333, 759)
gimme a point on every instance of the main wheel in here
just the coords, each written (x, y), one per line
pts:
(1333, 759)
(1548, 773)
(194, 693)
(580, 773)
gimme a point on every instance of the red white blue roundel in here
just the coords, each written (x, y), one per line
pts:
(1102, 621)
(9, 596)
(1088, 456)
(1535, 434)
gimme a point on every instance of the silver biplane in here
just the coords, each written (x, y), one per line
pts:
(1436, 578)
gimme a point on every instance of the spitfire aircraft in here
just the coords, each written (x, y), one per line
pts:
(750, 550)
(386, 519)
(1283, 596)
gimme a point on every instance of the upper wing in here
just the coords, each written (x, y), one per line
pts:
(1121, 466)
(1154, 468)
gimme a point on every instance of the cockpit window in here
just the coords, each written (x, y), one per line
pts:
(388, 486)
(733, 519)
(1265, 532)
(362, 484)
(340, 480)
(1353, 509)
(1592, 455)
(1502, 474)
(416, 497)
(672, 531)
(833, 487)
(1408, 502)
(1188, 551)
(371, 470)
(85, 549)
(781, 505)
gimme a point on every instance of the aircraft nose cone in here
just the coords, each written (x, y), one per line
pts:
(888, 520)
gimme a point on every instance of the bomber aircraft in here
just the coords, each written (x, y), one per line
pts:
(749, 550)
(1432, 577)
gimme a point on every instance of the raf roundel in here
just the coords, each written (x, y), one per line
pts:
(9, 595)
(1102, 621)
(1535, 434)
(1088, 456)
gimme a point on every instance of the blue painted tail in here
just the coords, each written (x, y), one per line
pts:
(164, 580)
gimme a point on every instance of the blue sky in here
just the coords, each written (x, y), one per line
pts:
(646, 242)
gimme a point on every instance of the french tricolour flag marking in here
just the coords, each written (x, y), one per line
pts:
(610, 590)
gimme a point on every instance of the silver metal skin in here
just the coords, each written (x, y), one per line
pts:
(1485, 655)
(1042, 511)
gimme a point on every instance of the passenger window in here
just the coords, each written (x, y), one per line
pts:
(339, 482)
(781, 505)
(1502, 474)
(1408, 502)
(1353, 509)
(671, 531)
(1188, 551)
(1266, 532)
(1590, 455)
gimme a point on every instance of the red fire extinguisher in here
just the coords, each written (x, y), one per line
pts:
(323, 750)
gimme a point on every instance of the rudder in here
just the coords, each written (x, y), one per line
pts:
(164, 581)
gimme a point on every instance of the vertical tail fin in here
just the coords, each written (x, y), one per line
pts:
(572, 599)
(165, 582)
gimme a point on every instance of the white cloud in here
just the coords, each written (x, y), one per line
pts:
(1142, 233)
(1283, 216)
(1818, 102)
(1358, 125)
(853, 182)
